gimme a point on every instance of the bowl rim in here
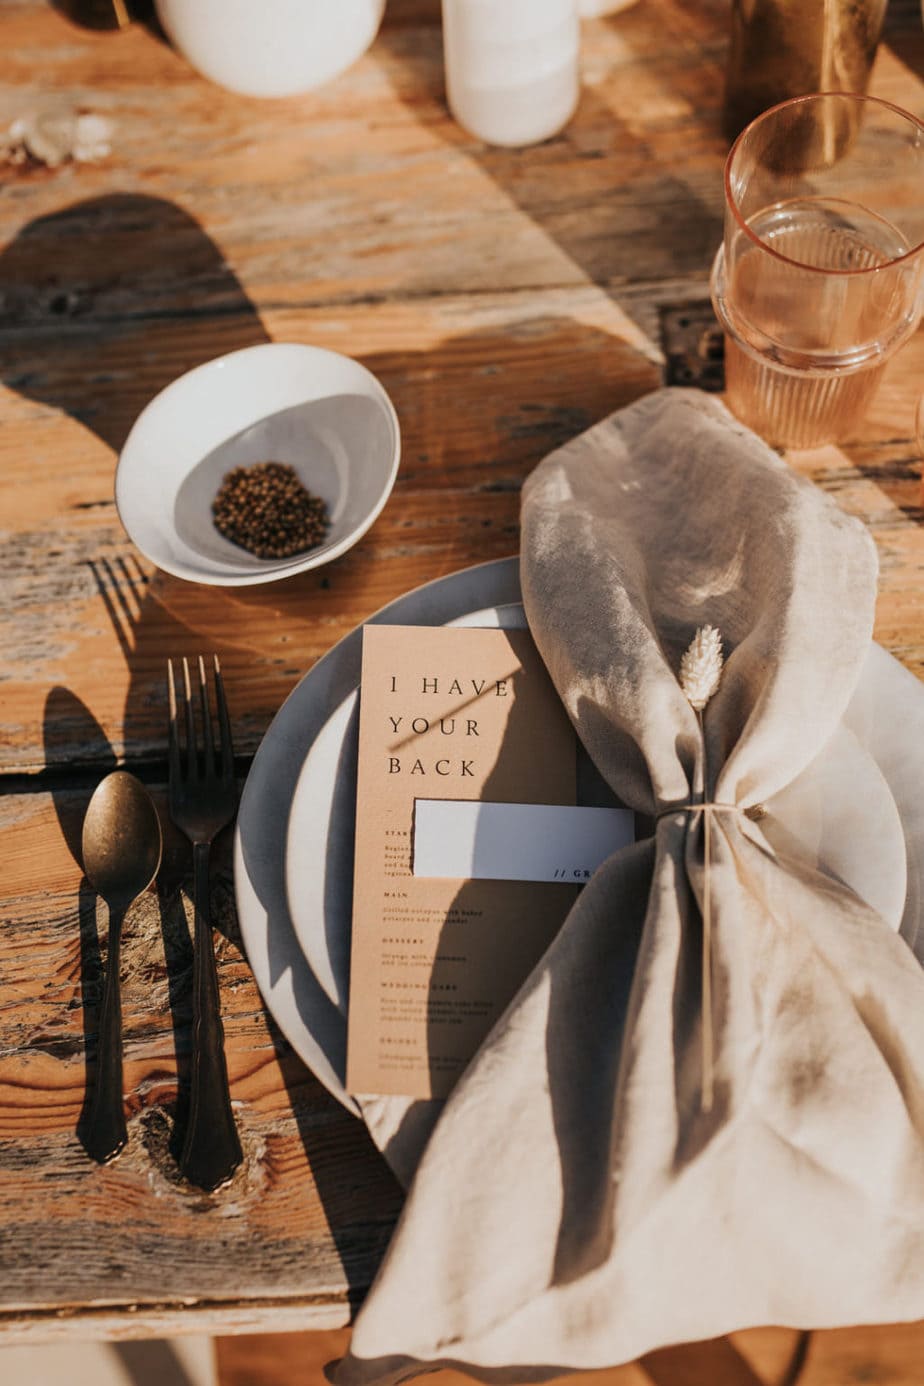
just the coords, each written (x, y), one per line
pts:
(283, 567)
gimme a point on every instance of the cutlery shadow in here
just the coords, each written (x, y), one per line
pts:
(68, 721)
(899, 479)
(132, 284)
(92, 978)
(178, 960)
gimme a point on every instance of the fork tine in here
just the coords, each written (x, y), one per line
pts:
(192, 759)
(173, 742)
(208, 753)
(224, 722)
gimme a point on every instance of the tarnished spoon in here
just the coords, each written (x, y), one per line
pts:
(122, 846)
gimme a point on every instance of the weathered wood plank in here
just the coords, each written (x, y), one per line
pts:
(306, 1217)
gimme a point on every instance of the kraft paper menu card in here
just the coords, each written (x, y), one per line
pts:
(445, 713)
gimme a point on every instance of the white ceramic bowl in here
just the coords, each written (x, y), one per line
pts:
(270, 47)
(322, 413)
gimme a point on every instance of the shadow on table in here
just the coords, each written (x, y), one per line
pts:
(116, 296)
(478, 411)
(105, 302)
(151, 1362)
(119, 295)
(653, 222)
(64, 710)
(719, 1360)
(902, 32)
(103, 15)
(108, 300)
(67, 717)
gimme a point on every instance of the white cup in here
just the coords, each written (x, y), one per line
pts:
(270, 47)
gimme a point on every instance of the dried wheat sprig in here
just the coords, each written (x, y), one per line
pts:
(701, 667)
(700, 672)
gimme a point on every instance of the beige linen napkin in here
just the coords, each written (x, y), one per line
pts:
(576, 1206)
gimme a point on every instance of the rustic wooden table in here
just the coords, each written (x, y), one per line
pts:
(507, 300)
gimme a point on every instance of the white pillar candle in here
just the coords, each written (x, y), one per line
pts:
(511, 67)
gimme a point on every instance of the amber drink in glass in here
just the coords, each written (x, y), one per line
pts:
(818, 280)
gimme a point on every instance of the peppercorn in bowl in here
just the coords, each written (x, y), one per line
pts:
(258, 465)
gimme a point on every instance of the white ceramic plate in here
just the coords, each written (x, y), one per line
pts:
(263, 871)
(294, 841)
(321, 413)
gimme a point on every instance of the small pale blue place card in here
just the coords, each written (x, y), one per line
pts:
(474, 840)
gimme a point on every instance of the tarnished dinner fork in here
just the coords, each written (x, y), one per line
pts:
(203, 800)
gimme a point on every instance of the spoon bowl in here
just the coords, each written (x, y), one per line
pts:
(122, 844)
(122, 840)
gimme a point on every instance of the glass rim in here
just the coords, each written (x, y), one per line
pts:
(732, 205)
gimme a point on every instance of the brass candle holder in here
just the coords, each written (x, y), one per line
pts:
(784, 48)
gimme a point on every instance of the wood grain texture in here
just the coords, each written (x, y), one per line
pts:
(507, 300)
(308, 1214)
(886, 1356)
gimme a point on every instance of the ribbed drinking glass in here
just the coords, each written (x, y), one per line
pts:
(818, 280)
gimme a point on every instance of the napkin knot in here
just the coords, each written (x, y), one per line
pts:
(755, 812)
(708, 808)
